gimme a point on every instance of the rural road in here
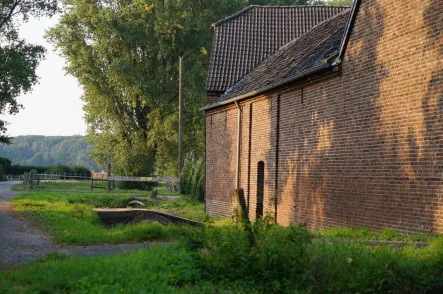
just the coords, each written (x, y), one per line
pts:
(20, 242)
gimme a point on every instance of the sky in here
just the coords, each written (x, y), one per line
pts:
(54, 107)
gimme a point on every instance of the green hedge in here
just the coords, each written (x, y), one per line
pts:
(192, 177)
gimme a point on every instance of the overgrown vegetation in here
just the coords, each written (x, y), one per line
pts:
(222, 260)
(192, 177)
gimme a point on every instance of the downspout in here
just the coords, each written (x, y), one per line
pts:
(237, 179)
(206, 159)
(277, 153)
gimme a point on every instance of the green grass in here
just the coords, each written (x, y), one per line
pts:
(145, 271)
(362, 233)
(222, 260)
(69, 217)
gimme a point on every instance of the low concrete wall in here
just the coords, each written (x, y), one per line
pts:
(121, 215)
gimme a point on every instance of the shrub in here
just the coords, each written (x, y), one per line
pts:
(274, 263)
(192, 177)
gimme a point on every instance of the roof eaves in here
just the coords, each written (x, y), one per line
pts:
(300, 76)
(250, 7)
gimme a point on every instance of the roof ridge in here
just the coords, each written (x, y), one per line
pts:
(250, 7)
(233, 15)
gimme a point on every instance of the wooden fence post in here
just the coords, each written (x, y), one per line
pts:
(31, 180)
(92, 183)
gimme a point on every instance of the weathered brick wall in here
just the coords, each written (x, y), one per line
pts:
(221, 160)
(363, 148)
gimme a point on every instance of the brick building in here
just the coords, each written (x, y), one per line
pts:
(343, 125)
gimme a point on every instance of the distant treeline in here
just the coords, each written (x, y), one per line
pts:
(58, 169)
(14, 169)
(43, 152)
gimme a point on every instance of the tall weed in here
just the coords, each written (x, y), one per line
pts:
(192, 177)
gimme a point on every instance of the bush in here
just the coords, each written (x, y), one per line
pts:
(192, 177)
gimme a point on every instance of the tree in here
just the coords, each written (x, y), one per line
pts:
(19, 60)
(125, 55)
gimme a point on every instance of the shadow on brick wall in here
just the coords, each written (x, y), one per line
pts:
(360, 156)
(432, 106)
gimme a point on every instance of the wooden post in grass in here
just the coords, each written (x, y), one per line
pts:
(92, 182)
(241, 206)
(242, 214)
(109, 174)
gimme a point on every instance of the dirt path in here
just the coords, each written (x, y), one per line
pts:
(20, 242)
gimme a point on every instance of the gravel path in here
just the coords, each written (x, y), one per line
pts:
(20, 242)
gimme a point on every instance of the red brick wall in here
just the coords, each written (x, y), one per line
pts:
(364, 148)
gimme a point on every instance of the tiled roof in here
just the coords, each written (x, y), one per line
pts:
(245, 39)
(308, 52)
